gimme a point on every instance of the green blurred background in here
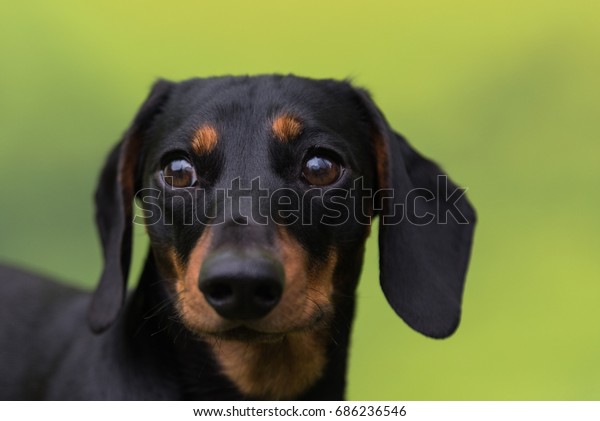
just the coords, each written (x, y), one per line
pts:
(505, 95)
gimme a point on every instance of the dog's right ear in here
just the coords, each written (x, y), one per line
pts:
(114, 204)
(422, 264)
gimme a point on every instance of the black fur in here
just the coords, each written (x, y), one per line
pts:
(137, 347)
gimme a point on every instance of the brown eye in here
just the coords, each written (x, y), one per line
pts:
(179, 173)
(320, 171)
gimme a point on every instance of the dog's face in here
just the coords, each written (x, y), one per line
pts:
(251, 190)
(258, 194)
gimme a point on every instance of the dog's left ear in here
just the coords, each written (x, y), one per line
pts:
(114, 204)
(424, 252)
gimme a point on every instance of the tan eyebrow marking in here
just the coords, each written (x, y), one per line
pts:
(286, 127)
(205, 139)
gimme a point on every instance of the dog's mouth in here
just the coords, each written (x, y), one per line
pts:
(251, 333)
(246, 334)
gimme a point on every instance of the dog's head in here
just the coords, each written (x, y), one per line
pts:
(258, 195)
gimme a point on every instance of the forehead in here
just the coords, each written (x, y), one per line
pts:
(246, 103)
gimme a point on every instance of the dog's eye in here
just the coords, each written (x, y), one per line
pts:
(320, 171)
(179, 173)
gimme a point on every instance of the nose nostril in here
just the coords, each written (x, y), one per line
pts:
(220, 292)
(267, 294)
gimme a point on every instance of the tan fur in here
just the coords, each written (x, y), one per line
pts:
(294, 360)
(205, 139)
(285, 369)
(196, 314)
(381, 158)
(286, 127)
(280, 370)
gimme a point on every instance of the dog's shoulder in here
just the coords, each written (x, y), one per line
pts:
(37, 317)
(24, 293)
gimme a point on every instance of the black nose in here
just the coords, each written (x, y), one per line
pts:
(241, 285)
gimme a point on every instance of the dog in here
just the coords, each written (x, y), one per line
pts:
(258, 195)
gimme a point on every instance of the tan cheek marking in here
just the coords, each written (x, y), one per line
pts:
(205, 139)
(285, 369)
(286, 127)
(168, 264)
(195, 313)
(308, 287)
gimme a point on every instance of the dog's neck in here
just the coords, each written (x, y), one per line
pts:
(308, 365)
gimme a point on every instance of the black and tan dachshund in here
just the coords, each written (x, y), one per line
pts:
(257, 194)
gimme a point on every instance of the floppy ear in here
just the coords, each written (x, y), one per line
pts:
(423, 256)
(114, 197)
